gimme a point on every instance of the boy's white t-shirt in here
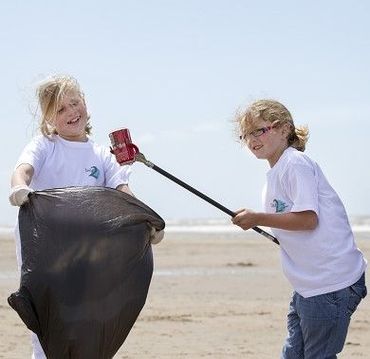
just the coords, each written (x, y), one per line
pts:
(317, 261)
(60, 163)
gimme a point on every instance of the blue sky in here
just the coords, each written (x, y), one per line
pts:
(175, 72)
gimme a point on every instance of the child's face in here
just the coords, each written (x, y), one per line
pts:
(71, 117)
(267, 142)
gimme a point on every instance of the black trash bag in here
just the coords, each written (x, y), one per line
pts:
(87, 266)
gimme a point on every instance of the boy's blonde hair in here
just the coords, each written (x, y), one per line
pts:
(277, 114)
(50, 92)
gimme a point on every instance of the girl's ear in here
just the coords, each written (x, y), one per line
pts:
(50, 121)
(286, 129)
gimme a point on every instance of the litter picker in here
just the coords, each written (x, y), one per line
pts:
(126, 153)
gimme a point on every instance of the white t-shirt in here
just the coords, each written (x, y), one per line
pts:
(60, 163)
(317, 261)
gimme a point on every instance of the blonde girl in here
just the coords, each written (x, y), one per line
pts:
(318, 253)
(64, 155)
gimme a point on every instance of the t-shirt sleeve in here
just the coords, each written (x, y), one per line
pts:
(35, 153)
(302, 188)
(115, 174)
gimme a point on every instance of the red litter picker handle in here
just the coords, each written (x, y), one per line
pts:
(126, 152)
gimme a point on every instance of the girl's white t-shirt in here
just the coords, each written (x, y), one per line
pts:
(317, 261)
(60, 163)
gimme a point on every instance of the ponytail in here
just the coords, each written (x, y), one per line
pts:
(298, 138)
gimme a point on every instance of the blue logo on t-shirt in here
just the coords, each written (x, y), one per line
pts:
(279, 205)
(93, 172)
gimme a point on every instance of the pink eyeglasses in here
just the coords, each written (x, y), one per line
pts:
(256, 133)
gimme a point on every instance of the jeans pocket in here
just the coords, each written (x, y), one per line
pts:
(360, 290)
(353, 300)
(360, 287)
(319, 307)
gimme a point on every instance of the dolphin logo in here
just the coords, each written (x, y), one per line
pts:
(279, 205)
(94, 171)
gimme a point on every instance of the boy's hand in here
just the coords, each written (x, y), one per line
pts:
(156, 236)
(19, 195)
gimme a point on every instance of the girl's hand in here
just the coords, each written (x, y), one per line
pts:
(19, 195)
(156, 236)
(245, 218)
(20, 181)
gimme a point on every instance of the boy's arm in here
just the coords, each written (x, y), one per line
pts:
(292, 221)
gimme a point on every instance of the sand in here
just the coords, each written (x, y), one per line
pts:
(211, 296)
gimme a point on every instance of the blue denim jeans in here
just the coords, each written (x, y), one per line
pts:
(318, 325)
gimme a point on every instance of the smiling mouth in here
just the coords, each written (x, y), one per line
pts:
(72, 122)
(257, 147)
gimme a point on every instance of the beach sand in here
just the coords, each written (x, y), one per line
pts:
(211, 296)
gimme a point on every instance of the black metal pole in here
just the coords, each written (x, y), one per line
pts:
(206, 198)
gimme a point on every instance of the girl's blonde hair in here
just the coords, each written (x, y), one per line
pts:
(277, 114)
(50, 93)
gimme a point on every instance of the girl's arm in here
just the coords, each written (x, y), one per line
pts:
(292, 221)
(22, 175)
(20, 181)
(125, 188)
(155, 236)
